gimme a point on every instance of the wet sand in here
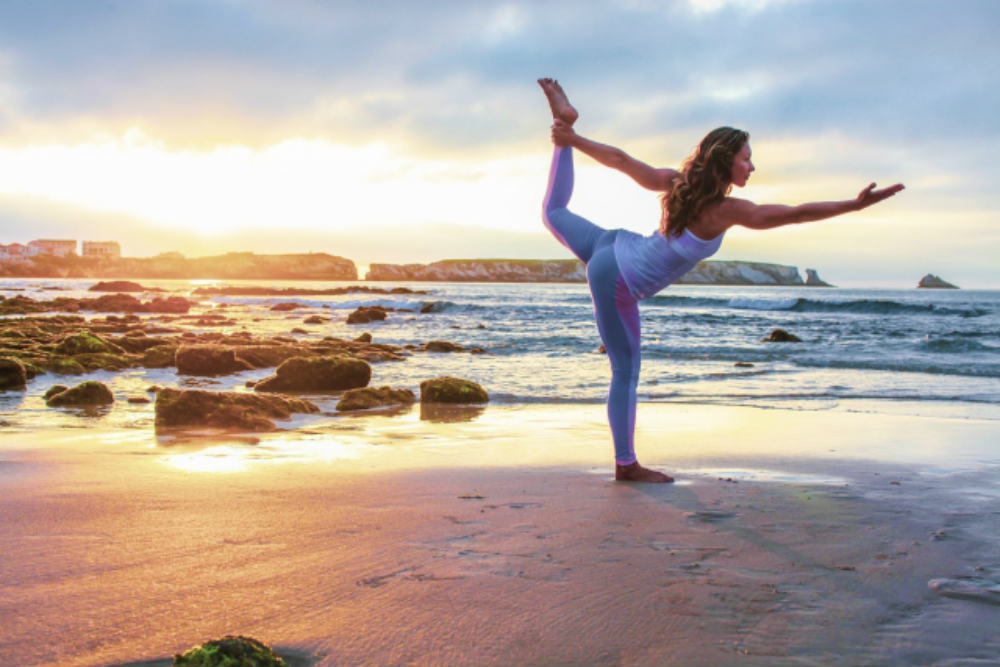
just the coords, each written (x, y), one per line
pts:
(834, 537)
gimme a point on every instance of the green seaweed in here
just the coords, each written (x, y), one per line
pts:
(230, 651)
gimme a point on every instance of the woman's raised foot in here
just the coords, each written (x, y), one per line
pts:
(634, 472)
(558, 102)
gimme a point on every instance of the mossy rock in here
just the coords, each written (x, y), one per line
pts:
(85, 342)
(90, 392)
(327, 373)
(53, 390)
(161, 356)
(452, 390)
(103, 361)
(230, 651)
(781, 336)
(370, 397)
(13, 375)
(225, 409)
(139, 342)
(209, 360)
(32, 367)
(65, 366)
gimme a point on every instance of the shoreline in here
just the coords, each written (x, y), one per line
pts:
(503, 540)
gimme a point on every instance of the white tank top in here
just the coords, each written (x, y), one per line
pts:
(650, 263)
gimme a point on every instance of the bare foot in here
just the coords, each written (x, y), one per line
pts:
(634, 472)
(558, 102)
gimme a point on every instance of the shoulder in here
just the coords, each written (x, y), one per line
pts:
(667, 178)
(733, 211)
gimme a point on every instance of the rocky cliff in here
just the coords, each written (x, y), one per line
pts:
(571, 270)
(233, 265)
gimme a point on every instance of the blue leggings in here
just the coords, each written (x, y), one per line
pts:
(615, 309)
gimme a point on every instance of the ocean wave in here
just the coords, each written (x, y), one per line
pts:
(946, 345)
(809, 305)
(911, 365)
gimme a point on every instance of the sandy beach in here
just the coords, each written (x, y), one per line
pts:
(792, 537)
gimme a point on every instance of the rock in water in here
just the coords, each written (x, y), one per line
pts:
(84, 342)
(53, 390)
(225, 409)
(452, 390)
(12, 374)
(442, 346)
(370, 397)
(328, 373)
(366, 314)
(117, 286)
(208, 360)
(934, 282)
(813, 279)
(781, 336)
(90, 392)
(230, 651)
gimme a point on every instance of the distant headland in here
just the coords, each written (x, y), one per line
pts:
(57, 258)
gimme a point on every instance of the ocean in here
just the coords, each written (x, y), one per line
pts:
(934, 351)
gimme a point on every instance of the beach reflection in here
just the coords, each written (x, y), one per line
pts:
(445, 413)
(209, 455)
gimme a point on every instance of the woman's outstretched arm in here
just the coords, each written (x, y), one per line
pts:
(645, 175)
(768, 216)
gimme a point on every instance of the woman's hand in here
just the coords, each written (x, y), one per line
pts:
(562, 133)
(870, 195)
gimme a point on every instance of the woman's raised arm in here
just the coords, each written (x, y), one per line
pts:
(645, 175)
(767, 216)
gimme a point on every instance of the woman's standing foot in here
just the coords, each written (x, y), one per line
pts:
(634, 472)
(558, 102)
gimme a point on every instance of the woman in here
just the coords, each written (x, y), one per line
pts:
(624, 267)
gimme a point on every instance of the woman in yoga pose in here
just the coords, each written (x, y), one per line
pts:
(624, 267)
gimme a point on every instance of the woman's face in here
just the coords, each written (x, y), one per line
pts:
(742, 167)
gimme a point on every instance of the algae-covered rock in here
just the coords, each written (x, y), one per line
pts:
(327, 373)
(452, 390)
(268, 356)
(103, 361)
(370, 397)
(225, 409)
(208, 360)
(65, 366)
(85, 342)
(780, 336)
(53, 390)
(90, 392)
(13, 375)
(230, 651)
(160, 356)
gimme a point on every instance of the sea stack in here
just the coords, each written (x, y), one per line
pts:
(934, 282)
(813, 279)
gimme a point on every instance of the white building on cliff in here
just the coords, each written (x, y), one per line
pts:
(14, 252)
(57, 247)
(102, 249)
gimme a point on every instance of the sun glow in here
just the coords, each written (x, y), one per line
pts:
(295, 183)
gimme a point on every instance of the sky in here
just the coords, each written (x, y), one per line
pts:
(413, 131)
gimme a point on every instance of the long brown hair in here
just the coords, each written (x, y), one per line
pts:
(704, 179)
